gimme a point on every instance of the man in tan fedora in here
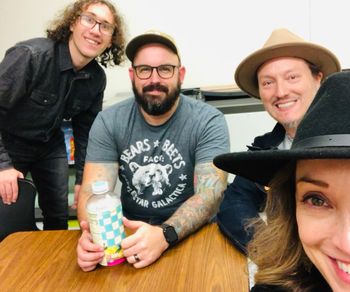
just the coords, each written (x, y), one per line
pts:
(285, 74)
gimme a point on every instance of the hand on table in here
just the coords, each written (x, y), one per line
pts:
(146, 244)
(9, 185)
(89, 253)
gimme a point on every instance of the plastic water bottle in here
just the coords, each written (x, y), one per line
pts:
(104, 212)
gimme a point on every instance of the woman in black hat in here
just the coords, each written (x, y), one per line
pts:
(305, 243)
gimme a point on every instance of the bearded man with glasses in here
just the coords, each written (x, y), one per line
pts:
(44, 81)
(161, 144)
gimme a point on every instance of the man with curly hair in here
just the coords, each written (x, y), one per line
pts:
(44, 81)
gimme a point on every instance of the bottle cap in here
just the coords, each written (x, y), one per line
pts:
(99, 187)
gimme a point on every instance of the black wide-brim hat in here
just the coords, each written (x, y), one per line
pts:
(324, 133)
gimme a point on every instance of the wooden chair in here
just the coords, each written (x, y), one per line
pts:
(19, 216)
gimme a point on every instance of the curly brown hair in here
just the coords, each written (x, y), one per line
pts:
(59, 30)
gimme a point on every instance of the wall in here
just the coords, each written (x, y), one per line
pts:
(213, 37)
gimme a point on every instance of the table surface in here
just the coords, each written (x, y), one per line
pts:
(46, 261)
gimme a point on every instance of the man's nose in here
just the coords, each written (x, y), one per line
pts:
(96, 28)
(281, 89)
(154, 76)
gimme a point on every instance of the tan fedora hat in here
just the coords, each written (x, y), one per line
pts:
(283, 43)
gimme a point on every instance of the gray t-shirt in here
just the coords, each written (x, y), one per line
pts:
(156, 163)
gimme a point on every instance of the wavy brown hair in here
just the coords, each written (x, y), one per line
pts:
(59, 30)
(276, 248)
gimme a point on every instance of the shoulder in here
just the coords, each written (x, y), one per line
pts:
(198, 106)
(273, 138)
(245, 184)
(95, 68)
(118, 110)
(37, 45)
(200, 113)
(32, 50)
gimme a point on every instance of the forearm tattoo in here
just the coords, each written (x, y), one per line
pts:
(94, 172)
(209, 184)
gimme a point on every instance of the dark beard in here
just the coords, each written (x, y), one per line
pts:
(155, 108)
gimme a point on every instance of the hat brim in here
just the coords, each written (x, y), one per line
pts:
(137, 42)
(246, 72)
(261, 166)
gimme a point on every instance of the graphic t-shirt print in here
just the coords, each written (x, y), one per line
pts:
(154, 172)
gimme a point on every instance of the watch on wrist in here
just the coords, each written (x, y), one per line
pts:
(169, 234)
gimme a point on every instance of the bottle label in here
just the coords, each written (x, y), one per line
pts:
(107, 230)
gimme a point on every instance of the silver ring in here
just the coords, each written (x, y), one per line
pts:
(136, 257)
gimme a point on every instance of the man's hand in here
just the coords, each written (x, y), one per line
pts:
(89, 254)
(9, 185)
(146, 244)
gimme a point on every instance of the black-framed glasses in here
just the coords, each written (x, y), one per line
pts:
(165, 71)
(90, 22)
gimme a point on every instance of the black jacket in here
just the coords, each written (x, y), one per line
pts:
(39, 87)
(244, 199)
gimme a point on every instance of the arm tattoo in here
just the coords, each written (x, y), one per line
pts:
(93, 172)
(209, 184)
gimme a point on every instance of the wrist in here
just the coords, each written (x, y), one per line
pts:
(169, 234)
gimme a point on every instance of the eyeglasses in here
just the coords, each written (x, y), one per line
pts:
(90, 22)
(144, 72)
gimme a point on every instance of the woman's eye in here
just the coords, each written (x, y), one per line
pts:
(315, 200)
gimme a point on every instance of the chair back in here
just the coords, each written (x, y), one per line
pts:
(19, 216)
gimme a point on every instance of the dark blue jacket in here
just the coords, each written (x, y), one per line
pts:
(244, 199)
(39, 87)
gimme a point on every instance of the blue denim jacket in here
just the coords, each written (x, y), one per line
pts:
(39, 87)
(244, 199)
